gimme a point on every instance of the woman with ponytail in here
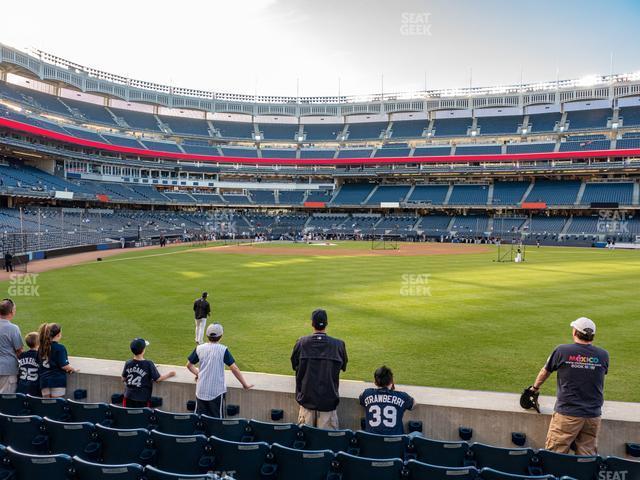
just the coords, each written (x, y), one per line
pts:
(54, 364)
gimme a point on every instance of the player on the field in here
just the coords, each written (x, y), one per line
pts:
(201, 310)
(138, 376)
(384, 406)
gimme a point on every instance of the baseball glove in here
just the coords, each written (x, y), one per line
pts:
(529, 399)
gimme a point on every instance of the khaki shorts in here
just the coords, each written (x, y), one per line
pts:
(54, 392)
(8, 383)
(564, 430)
(315, 418)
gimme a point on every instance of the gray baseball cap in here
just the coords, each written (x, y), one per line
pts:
(583, 323)
(215, 330)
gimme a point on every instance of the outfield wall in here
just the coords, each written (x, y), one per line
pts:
(493, 416)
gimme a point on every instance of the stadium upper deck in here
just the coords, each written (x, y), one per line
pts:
(51, 101)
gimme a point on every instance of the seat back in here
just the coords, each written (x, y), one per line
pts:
(491, 474)
(124, 446)
(422, 471)
(580, 467)
(283, 433)
(181, 453)
(358, 468)
(152, 473)
(242, 461)
(435, 452)
(371, 445)
(320, 439)
(177, 423)
(234, 429)
(95, 471)
(72, 438)
(24, 433)
(53, 408)
(13, 404)
(127, 418)
(307, 464)
(89, 412)
(509, 460)
(616, 464)
(51, 467)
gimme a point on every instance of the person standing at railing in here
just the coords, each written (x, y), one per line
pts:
(8, 262)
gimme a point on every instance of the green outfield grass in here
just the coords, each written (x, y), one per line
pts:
(483, 325)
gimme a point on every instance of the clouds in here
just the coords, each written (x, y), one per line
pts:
(265, 45)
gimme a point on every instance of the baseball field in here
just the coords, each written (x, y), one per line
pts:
(439, 315)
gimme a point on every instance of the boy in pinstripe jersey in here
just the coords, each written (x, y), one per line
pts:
(211, 387)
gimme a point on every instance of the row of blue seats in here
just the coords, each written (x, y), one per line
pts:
(198, 454)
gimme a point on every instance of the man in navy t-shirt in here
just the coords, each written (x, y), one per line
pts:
(581, 368)
(384, 407)
(138, 376)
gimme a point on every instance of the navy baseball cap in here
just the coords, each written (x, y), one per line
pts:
(319, 319)
(138, 345)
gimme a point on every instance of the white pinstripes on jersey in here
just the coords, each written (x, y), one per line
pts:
(211, 383)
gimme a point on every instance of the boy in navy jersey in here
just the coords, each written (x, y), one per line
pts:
(28, 366)
(384, 407)
(138, 376)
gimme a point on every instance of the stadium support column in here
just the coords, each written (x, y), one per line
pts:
(3, 76)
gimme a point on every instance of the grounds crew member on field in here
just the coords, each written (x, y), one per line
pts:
(317, 360)
(581, 368)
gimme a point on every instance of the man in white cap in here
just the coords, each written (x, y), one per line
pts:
(581, 368)
(211, 386)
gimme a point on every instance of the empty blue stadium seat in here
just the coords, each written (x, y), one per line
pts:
(278, 131)
(72, 439)
(240, 152)
(321, 439)
(187, 126)
(302, 464)
(234, 129)
(278, 153)
(161, 146)
(621, 193)
(371, 445)
(436, 151)
(23, 433)
(85, 470)
(32, 467)
(491, 474)
(469, 195)
(189, 454)
(435, 452)
(366, 130)
(242, 461)
(122, 141)
(131, 417)
(13, 403)
(355, 153)
(417, 470)
(530, 147)
(389, 193)
(408, 128)
(308, 154)
(630, 116)
(508, 193)
(478, 149)
(359, 468)
(544, 122)
(509, 460)
(507, 124)
(580, 467)
(585, 145)
(92, 112)
(617, 464)
(178, 423)
(287, 434)
(588, 119)
(152, 473)
(554, 192)
(322, 131)
(53, 408)
(353, 193)
(628, 143)
(451, 127)
(137, 120)
(392, 152)
(124, 446)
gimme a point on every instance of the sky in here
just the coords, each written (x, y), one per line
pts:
(322, 47)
